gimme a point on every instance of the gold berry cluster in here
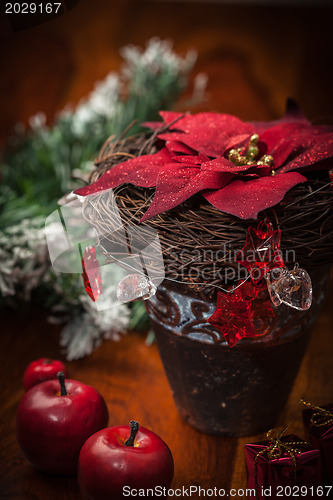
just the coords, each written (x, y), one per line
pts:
(249, 157)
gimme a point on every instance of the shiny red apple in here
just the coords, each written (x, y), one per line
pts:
(54, 420)
(116, 460)
(40, 370)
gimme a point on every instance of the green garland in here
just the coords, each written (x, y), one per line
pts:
(41, 164)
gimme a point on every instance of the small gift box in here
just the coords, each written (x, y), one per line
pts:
(318, 423)
(282, 466)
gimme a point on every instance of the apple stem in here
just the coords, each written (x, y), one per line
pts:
(61, 378)
(135, 426)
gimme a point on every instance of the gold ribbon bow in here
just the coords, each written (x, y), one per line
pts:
(320, 417)
(275, 450)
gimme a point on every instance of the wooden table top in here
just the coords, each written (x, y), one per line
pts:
(255, 57)
(130, 376)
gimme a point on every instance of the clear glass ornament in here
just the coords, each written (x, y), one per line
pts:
(293, 288)
(135, 287)
(273, 280)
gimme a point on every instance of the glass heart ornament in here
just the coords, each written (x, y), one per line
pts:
(273, 280)
(135, 287)
(293, 288)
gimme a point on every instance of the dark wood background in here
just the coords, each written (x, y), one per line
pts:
(255, 56)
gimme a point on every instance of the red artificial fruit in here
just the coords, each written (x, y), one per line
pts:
(116, 460)
(54, 420)
(40, 370)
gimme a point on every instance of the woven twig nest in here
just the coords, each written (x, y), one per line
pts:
(198, 241)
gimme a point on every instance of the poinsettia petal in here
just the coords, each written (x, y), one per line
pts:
(170, 116)
(208, 133)
(179, 147)
(237, 141)
(322, 149)
(140, 171)
(192, 160)
(247, 199)
(179, 137)
(261, 170)
(223, 165)
(283, 139)
(175, 185)
(225, 124)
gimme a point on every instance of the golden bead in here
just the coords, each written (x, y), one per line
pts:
(233, 155)
(252, 151)
(254, 139)
(242, 160)
(268, 160)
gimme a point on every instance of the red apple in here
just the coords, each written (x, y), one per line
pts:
(40, 370)
(117, 457)
(54, 421)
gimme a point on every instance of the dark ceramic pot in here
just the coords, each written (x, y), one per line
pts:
(219, 390)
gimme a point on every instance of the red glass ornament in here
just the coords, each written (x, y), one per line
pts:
(261, 252)
(233, 317)
(246, 312)
(91, 275)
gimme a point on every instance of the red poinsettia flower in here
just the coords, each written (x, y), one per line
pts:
(240, 168)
